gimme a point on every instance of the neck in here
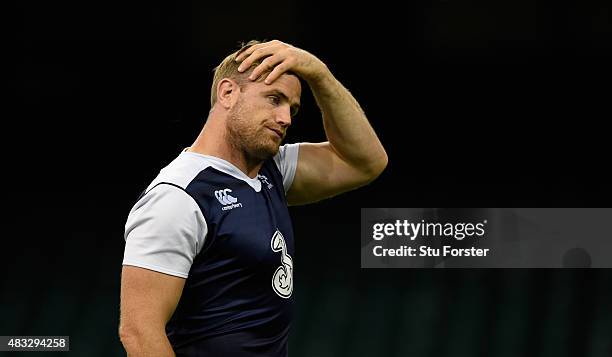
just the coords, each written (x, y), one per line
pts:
(212, 141)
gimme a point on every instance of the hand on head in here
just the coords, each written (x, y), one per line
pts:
(277, 58)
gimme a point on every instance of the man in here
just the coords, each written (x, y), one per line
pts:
(208, 264)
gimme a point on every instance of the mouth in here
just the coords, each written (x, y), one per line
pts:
(277, 132)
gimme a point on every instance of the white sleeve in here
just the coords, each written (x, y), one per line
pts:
(286, 161)
(164, 231)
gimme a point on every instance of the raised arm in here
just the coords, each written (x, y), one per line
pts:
(353, 155)
(148, 300)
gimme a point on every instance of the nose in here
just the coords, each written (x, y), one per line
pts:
(283, 116)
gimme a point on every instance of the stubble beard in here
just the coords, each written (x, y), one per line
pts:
(247, 137)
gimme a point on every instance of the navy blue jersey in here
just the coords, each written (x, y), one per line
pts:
(231, 237)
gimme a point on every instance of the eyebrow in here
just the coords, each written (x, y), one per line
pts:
(295, 107)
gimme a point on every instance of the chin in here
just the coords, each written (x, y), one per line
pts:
(265, 152)
(272, 151)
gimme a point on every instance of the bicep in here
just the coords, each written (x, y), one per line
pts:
(148, 298)
(322, 173)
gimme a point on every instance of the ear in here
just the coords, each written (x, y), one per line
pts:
(227, 92)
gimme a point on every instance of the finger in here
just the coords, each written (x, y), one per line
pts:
(247, 52)
(266, 65)
(250, 50)
(278, 71)
(255, 55)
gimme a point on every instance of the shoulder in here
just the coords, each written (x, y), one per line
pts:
(182, 170)
(286, 154)
(165, 199)
(286, 162)
(164, 231)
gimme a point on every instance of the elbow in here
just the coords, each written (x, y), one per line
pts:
(376, 167)
(145, 341)
(384, 161)
(124, 333)
(129, 337)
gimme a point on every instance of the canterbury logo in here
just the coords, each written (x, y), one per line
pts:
(224, 197)
(228, 201)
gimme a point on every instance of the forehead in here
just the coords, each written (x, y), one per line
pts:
(288, 84)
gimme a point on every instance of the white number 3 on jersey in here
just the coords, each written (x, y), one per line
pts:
(282, 280)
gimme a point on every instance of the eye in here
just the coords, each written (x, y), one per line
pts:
(274, 99)
(294, 112)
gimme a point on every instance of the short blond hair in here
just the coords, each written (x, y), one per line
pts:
(228, 68)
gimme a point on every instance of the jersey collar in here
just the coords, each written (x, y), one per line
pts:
(228, 168)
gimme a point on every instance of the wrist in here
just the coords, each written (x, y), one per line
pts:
(321, 77)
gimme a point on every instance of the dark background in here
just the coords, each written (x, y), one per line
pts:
(479, 104)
